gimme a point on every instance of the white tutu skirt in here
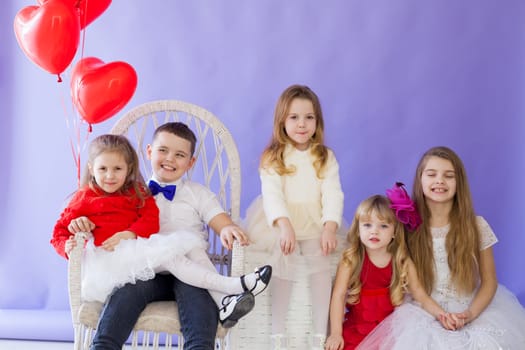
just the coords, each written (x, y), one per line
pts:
(132, 260)
(264, 238)
(500, 326)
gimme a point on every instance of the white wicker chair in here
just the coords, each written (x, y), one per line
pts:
(218, 167)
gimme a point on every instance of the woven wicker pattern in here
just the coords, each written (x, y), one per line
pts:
(253, 331)
(217, 167)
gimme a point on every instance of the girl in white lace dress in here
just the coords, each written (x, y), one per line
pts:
(452, 251)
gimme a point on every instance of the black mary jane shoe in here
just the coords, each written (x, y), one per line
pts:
(262, 278)
(234, 307)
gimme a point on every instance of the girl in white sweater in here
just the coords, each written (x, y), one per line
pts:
(302, 202)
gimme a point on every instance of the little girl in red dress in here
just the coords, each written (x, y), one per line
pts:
(376, 271)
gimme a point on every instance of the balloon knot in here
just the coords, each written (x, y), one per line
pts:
(59, 80)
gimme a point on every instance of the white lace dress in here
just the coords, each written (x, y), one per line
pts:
(500, 326)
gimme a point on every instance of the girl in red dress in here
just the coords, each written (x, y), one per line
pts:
(376, 271)
(114, 204)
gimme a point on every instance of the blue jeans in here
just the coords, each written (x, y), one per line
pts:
(197, 311)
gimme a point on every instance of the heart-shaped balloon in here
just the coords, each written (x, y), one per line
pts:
(99, 90)
(89, 10)
(48, 34)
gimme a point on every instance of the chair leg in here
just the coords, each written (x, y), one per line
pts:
(279, 341)
(77, 337)
(317, 341)
(87, 333)
(156, 338)
(180, 342)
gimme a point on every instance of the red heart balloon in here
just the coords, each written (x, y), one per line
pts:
(48, 34)
(89, 10)
(100, 90)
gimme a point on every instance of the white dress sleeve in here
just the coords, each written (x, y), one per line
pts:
(488, 238)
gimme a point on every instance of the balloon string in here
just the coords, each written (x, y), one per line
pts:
(72, 126)
(76, 159)
(75, 147)
(79, 146)
(83, 20)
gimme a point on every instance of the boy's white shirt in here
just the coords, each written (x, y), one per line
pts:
(193, 206)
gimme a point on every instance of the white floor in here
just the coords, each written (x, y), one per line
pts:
(33, 345)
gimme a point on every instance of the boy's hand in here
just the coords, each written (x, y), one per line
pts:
(334, 342)
(230, 233)
(80, 224)
(110, 243)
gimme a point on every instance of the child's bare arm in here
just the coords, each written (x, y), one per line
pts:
(486, 291)
(484, 295)
(426, 302)
(337, 308)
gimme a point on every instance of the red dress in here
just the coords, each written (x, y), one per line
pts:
(110, 213)
(374, 304)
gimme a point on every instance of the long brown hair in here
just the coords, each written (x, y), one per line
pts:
(118, 144)
(353, 256)
(463, 239)
(273, 155)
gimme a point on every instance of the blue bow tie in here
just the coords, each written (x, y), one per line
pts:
(168, 191)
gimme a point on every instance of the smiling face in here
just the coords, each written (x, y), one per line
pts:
(300, 123)
(375, 233)
(170, 156)
(438, 181)
(109, 170)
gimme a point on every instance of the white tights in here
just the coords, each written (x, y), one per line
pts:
(196, 269)
(320, 289)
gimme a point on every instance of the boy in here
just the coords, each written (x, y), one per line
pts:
(192, 205)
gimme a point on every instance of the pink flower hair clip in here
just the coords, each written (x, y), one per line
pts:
(403, 206)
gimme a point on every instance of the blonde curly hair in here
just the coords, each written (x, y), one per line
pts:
(353, 256)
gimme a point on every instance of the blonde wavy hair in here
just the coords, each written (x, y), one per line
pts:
(463, 239)
(273, 155)
(353, 256)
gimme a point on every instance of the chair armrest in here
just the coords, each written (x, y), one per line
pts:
(74, 275)
(238, 259)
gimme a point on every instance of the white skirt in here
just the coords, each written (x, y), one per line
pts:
(132, 260)
(264, 238)
(500, 326)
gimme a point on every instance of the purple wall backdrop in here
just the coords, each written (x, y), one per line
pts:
(394, 78)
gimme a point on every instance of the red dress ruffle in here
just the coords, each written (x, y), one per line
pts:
(374, 304)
